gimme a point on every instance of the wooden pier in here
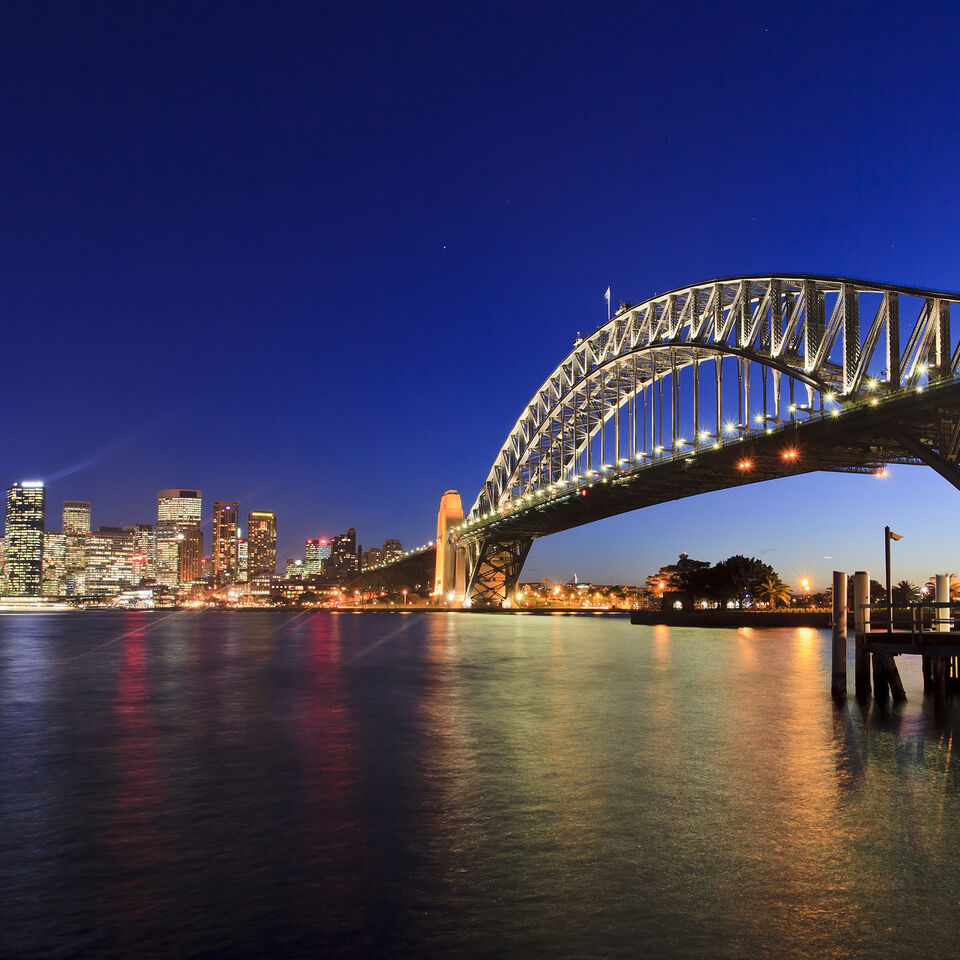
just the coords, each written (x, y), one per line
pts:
(885, 631)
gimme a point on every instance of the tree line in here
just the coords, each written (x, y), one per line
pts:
(741, 580)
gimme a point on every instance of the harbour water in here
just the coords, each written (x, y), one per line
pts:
(361, 784)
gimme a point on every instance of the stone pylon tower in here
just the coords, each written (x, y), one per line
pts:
(450, 577)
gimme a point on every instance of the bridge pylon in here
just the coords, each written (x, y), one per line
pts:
(449, 578)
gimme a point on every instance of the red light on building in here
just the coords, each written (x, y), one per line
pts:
(583, 493)
(138, 558)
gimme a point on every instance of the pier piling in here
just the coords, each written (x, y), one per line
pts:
(861, 627)
(838, 685)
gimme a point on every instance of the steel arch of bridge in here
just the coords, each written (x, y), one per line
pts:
(793, 348)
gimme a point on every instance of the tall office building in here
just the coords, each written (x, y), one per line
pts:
(23, 556)
(177, 512)
(343, 555)
(110, 563)
(261, 544)
(190, 555)
(223, 545)
(76, 530)
(315, 556)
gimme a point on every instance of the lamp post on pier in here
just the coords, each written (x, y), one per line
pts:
(889, 535)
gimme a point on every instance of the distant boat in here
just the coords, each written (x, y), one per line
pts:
(33, 605)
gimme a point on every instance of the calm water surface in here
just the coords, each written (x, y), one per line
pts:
(251, 784)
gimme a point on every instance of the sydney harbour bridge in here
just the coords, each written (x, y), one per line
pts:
(711, 386)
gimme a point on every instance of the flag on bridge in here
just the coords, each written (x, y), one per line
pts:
(606, 297)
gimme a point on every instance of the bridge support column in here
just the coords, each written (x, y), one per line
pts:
(496, 570)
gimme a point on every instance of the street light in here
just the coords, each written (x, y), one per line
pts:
(889, 535)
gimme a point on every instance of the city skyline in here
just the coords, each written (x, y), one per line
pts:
(393, 258)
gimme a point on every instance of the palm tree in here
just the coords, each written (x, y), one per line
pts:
(954, 582)
(774, 590)
(904, 592)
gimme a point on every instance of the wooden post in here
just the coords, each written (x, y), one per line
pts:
(861, 627)
(881, 685)
(940, 679)
(838, 685)
(893, 678)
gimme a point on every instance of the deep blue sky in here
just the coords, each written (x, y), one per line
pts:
(317, 258)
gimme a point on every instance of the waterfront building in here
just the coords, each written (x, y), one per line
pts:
(177, 512)
(223, 544)
(261, 544)
(75, 527)
(294, 570)
(372, 558)
(54, 564)
(261, 585)
(241, 559)
(190, 555)
(110, 565)
(315, 556)
(23, 556)
(392, 550)
(343, 556)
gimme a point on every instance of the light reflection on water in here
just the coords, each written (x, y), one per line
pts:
(370, 785)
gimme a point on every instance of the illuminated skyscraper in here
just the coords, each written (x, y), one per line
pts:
(343, 555)
(110, 563)
(190, 555)
(261, 544)
(177, 512)
(76, 530)
(315, 555)
(223, 546)
(23, 556)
